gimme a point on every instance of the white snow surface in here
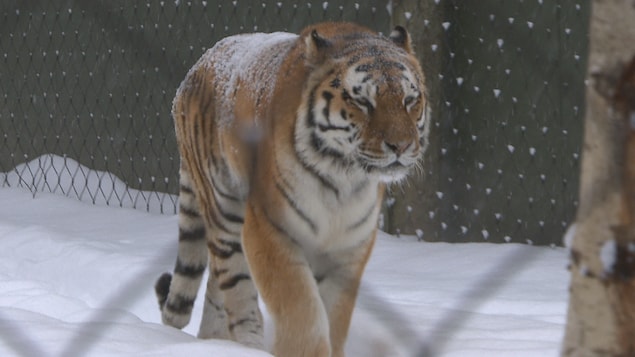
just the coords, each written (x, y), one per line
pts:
(77, 279)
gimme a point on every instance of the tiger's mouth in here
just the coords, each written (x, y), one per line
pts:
(395, 165)
(394, 170)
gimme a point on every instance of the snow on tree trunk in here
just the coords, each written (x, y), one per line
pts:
(601, 315)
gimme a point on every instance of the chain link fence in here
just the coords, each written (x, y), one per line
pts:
(91, 82)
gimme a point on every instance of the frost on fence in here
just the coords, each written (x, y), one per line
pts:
(94, 81)
(65, 176)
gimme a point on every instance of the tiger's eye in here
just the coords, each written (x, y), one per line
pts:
(347, 97)
(364, 103)
(409, 100)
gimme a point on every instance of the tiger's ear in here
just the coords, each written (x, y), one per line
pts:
(401, 38)
(316, 47)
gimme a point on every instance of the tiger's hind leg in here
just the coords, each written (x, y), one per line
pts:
(214, 322)
(231, 282)
(229, 285)
(176, 294)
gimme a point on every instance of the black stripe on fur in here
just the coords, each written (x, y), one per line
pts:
(186, 190)
(233, 281)
(217, 221)
(181, 305)
(232, 326)
(190, 212)
(228, 216)
(320, 147)
(362, 220)
(162, 288)
(280, 229)
(308, 167)
(222, 253)
(334, 127)
(222, 193)
(296, 208)
(191, 235)
(190, 271)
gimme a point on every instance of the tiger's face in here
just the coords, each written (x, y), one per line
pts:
(370, 114)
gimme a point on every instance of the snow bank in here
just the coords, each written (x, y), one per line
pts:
(63, 175)
(77, 279)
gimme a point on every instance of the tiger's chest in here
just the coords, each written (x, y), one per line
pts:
(325, 221)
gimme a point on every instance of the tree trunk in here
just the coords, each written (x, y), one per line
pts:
(601, 315)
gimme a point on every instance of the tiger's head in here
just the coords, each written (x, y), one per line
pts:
(364, 108)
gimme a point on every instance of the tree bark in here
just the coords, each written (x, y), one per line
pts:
(601, 315)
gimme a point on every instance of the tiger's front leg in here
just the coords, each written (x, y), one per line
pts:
(287, 286)
(338, 287)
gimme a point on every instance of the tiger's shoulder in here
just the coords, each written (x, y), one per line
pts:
(244, 65)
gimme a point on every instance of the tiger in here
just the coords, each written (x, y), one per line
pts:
(287, 143)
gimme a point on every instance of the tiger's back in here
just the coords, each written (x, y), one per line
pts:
(286, 142)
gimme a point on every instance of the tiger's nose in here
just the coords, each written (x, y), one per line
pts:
(398, 147)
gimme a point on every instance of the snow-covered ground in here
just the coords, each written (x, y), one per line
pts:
(76, 279)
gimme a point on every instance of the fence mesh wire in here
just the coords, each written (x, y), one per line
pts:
(93, 81)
